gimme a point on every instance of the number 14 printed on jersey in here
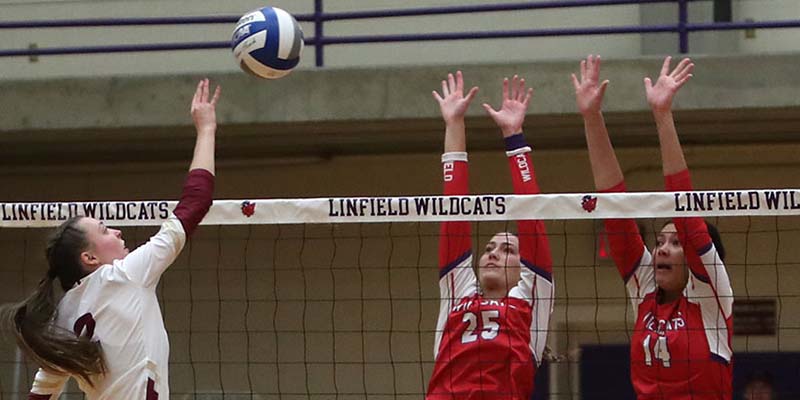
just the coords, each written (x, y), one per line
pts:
(660, 349)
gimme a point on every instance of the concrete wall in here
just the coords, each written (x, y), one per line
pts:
(314, 114)
(318, 310)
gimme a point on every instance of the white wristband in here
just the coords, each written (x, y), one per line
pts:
(454, 156)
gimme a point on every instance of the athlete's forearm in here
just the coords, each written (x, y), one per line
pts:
(672, 158)
(195, 200)
(605, 166)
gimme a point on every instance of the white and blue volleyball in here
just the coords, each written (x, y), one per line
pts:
(267, 42)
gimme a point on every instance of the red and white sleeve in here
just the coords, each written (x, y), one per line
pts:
(456, 279)
(631, 256)
(536, 276)
(455, 241)
(709, 285)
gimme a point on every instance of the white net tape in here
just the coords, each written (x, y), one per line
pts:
(561, 206)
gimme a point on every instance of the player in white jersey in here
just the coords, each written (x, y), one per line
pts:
(107, 330)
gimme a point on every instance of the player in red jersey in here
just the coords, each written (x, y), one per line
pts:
(492, 328)
(106, 330)
(681, 344)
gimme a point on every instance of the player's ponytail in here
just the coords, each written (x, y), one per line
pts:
(31, 320)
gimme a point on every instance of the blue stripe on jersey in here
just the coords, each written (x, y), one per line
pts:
(539, 271)
(705, 249)
(718, 358)
(449, 267)
(702, 278)
(637, 265)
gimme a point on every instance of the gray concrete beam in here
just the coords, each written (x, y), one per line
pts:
(332, 111)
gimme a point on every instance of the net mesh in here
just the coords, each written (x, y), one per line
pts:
(348, 310)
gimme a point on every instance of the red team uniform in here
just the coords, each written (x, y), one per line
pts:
(680, 350)
(117, 306)
(490, 349)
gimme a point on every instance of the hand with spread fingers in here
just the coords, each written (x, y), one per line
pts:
(589, 91)
(511, 114)
(452, 101)
(660, 94)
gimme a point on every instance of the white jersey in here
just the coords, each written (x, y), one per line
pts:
(117, 306)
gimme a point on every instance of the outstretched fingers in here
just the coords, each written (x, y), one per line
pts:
(575, 82)
(523, 96)
(602, 90)
(459, 82)
(680, 82)
(683, 70)
(204, 95)
(528, 97)
(520, 90)
(454, 84)
(665, 66)
(471, 94)
(451, 83)
(197, 93)
(437, 97)
(583, 70)
(216, 95)
(682, 67)
(595, 72)
(589, 67)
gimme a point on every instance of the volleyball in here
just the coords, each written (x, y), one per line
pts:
(267, 42)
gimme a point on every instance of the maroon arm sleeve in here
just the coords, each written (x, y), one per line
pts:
(196, 198)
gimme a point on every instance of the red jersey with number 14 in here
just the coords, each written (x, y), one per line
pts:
(679, 350)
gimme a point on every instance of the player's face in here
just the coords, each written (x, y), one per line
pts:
(105, 244)
(668, 260)
(499, 265)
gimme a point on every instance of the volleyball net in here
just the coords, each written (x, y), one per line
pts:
(338, 297)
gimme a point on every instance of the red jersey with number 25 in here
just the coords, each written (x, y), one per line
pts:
(490, 349)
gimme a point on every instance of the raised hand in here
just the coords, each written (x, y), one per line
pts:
(511, 114)
(588, 91)
(660, 94)
(452, 102)
(204, 109)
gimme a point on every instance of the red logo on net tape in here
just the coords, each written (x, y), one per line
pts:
(248, 208)
(589, 203)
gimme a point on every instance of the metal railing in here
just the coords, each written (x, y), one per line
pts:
(319, 18)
